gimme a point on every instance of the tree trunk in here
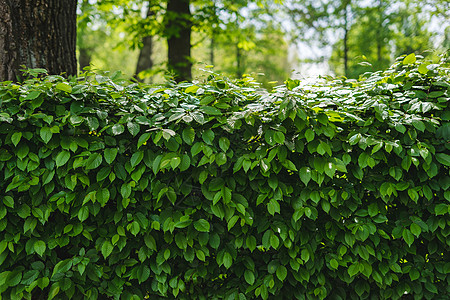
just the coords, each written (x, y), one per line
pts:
(178, 32)
(37, 34)
(85, 56)
(238, 62)
(346, 32)
(145, 61)
(379, 38)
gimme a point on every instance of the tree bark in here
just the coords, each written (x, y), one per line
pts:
(145, 61)
(37, 34)
(178, 32)
(346, 32)
(85, 56)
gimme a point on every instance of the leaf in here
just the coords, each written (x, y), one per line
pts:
(143, 139)
(94, 161)
(13, 278)
(62, 86)
(188, 135)
(83, 213)
(441, 209)
(110, 154)
(33, 95)
(409, 59)
(136, 158)
(107, 248)
(423, 68)
(62, 158)
(15, 138)
(39, 247)
(202, 225)
(133, 128)
(232, 222)
(408, 237)
(46, 134)
(210, 110)
(281, 272)
(443, 158)
(249, 277)
(334, 263)
(305, 255)
(305, 175)
(251, 242)
(117, 129)
(224, 144)
(62, 267)
(227, 260)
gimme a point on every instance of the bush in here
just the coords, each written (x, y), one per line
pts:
(220, 190)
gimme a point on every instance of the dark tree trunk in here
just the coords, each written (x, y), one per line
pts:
(37, 34)
(145, 61)
(379, 37)
(238, 62)
(84, 58)
(346, 32)
(178, 32)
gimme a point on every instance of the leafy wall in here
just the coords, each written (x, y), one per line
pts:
(220, 190)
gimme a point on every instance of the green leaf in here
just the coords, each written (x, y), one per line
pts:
(334, 263)
(305, 175)
(107, 248)
(39, 247)
(83, 213)
(353, 269)
(443, 158)
(188, 135)
(110, 154)
(62, 158)
(251, 242)
(224, 144)
(46, 134)
(281, 272)
(33, 95)
(143, 139)
(410, 59)
(208, 99)
(441, 209)
(408, 237)
(309, 135)
(423, 68)
(94, 161)
(13, 278)
(232, 222)
(62, 86)
(117, 129)
(133, 128)
(143, 273)
(202, 225)
(136, 158)
(305, 255)
(210, 110)
(227, 260)
(249, 277)
(208, 136)
(15, 138)
(62, 267)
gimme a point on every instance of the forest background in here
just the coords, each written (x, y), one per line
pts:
(270, 40)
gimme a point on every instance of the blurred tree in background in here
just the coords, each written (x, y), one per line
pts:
(147, 39)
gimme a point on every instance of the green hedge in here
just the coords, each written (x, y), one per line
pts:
(338, 190)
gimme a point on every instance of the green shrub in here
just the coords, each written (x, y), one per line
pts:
(220, 190)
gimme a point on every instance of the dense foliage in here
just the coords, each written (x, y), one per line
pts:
(221, 190)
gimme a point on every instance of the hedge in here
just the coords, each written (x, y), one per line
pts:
(221, 190)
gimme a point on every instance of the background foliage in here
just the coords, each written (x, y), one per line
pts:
(222, 190)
